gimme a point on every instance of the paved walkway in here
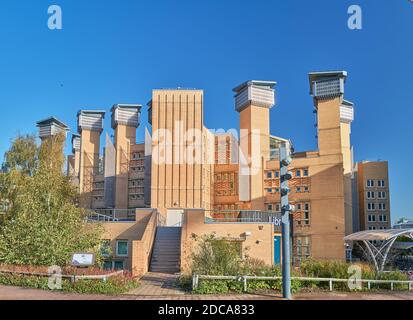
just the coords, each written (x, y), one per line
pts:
(157, 284)
(16, 293)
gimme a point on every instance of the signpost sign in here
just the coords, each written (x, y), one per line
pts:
(82, 260)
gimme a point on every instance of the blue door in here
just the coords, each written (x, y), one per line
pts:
(277, 250)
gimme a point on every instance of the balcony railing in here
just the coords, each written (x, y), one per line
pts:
(113, 215)
(244, 216)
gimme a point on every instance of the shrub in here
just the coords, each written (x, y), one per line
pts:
(339, 270)
(222, 258)
(113, 286)
(216, 257)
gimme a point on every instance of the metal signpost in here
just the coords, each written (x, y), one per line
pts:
(286, 209)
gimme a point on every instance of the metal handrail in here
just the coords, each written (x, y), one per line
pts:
(196, 278)
(73, 278)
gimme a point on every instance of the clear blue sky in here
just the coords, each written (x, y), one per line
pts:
(118, 51)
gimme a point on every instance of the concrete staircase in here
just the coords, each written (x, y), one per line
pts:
(166, 250)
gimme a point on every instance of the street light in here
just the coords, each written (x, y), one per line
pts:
(286, 210)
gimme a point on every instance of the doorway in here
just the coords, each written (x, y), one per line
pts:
(174, 218)
(277, 250)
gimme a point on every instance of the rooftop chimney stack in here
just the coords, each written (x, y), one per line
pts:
(51, 127)
(253, 100)
(90, 126)
(334, 118)
(125, 121)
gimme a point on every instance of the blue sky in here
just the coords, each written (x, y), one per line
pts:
(118, 51)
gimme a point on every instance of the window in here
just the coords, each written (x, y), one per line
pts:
(113, 265)
(370, 183)
(381, 183)
(277, 174)
(372, 218)
(298, 173)
(306, 189)
(299, 206)
(277, 208)
(122, 248)
(382, 195)
(306, 214)
(277, 190)
(370, 194)
(372, 228)
(269, 190)
(383, 218)
(298, 189)
(382, 206)
(305, 173)
(269, 175)
(269, 207)
(105, 248)
(302, 249)
(371, 206)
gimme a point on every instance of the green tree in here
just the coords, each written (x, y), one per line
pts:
(22, 156)
(46, 226)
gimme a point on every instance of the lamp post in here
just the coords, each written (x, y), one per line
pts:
(286, 210)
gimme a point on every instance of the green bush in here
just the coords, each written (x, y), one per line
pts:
(216, 257)
(339, 270)
(222, 258)
(113, 286)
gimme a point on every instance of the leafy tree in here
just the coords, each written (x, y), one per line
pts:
(46, 226)
(22, 156)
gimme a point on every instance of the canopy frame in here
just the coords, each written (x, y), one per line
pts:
(379, 254)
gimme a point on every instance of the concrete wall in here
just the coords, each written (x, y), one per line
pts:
(138, 234)
(177, 184)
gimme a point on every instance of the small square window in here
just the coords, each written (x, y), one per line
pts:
(122, 248)
(118, 265)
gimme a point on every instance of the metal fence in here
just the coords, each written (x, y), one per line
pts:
(330, 281)
(244, 216)
(72, 278)
(112, 215)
